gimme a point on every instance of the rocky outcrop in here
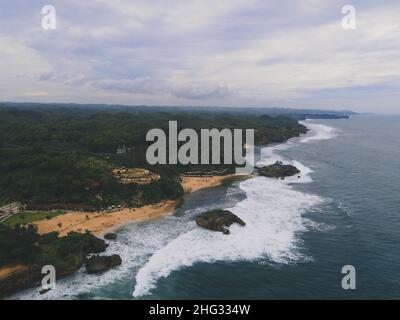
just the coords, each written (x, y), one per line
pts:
(25, 278)
(218, 220)
(92, 244)
(110, 236)
(278, 170)
(67, 254)
(97, 264)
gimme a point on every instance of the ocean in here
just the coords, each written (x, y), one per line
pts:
(343, 210)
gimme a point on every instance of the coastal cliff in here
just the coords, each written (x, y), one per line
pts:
(67, 255)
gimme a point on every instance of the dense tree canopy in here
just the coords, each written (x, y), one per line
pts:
(55, 154)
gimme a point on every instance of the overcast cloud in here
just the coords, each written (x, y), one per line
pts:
(203, 52)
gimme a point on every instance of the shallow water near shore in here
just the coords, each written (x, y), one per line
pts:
(300, 232)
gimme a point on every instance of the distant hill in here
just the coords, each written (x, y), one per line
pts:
(295, 113)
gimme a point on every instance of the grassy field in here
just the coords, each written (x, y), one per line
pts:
(28, 217)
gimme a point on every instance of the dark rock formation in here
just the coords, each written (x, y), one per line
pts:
(93, 244)
(278, 170)
(110, 236)
(218, 220)
(98, 264)
(67, 254)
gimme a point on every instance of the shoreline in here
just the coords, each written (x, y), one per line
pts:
(193, 184)
(100, 223)
(10, 269)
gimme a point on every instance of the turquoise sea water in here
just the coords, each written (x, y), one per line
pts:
(343, 210)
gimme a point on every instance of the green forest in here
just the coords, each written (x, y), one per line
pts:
(55, 154)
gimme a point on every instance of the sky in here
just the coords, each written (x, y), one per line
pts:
(239, 53)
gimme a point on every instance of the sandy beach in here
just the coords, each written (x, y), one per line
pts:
(101, 222)
(192, 184)
(7, 270)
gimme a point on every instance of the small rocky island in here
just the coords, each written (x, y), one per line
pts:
(218, 220)
(97, 264)
(278, 170)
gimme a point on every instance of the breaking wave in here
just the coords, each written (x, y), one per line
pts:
(273, 212)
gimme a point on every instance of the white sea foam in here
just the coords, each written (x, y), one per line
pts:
(273, 215)
(146, 238)
(318, 132)
(135, 244)
(272, 211)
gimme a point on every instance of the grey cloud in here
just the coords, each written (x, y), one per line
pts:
(265, 50)
(197, 92)
(142, 85)
(138, 85)
(71, 80)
